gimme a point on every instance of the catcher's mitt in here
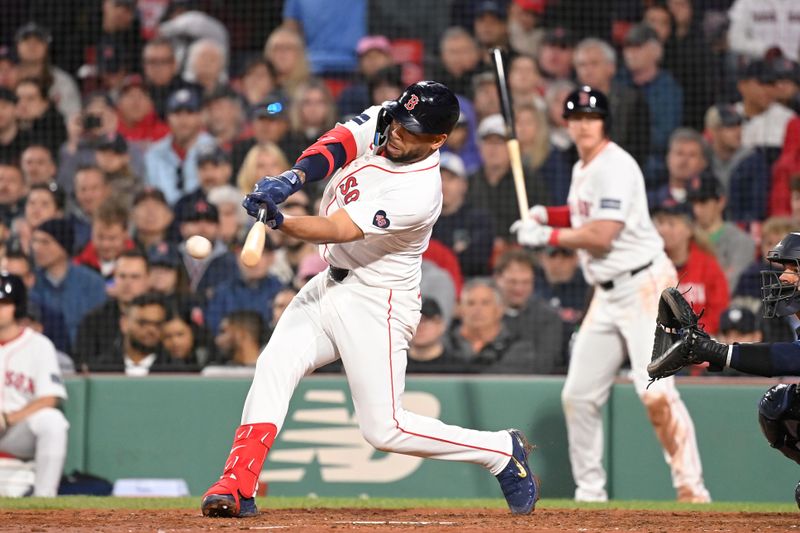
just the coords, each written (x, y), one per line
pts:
(677, 332)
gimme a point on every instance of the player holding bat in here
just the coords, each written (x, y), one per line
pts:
(622, 255)
(375, 220)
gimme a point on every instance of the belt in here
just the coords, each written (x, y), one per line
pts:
(337, 274)
(608, 285)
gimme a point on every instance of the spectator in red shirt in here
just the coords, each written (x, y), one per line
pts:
(698, 270)
(109, 239)
(138, 120)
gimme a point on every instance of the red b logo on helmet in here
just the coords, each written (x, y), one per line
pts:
(412, 102)
(583, 99)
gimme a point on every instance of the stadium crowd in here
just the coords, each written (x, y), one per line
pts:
(127, 126)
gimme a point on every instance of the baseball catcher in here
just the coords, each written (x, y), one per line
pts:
(680, 342)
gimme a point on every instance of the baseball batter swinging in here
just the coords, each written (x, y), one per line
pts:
(375, 220)
(622, 256)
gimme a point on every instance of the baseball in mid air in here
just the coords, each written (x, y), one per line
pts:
(198, 246)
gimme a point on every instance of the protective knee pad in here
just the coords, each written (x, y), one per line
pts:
(778, 406)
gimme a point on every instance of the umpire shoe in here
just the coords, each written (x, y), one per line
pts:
(519, 485)
(224, 506)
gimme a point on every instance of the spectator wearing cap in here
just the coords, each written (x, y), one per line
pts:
(72, 289)
(374, 54)
(38, 165)
(687, 157)
(555, 54)
(12, 140)
(734, 248)
(91, 191)
(152, 218)
(109, 238)
(458, 61)
(250, 288)
(110, 70)
(9, 73)
(467, 231)
(171, 163)
(742, 171)
(539, 154)
(37, 115)
(643, 53)
(757, 26)
(765, 120)
(492, 187)
(33, 53)
(167, 273)
(524, 31)
(213, 170)
(427, 353)
(483, 341)
(233, 220)
(490, 27)
(486, 100)
(527, 316)
(138, 120)
(739, 324)
(113, 158)
(42, 203)
(441, 277)
(699, 272)
(225, 117)
(560, 283)
(331, 34)
(202, 218)
(13, 190)
(99, 329)
(596, 66)
(787, 82)
(257, 81)
(285, 51)
(206, 65)
(270, 125)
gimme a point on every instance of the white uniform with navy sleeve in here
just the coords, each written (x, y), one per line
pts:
(30, 371)
(369, 317)
(627, 281)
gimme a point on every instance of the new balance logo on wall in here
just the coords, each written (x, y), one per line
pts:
(336, 446)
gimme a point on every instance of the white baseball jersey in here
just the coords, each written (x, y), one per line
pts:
(395, 205)
(611, 187)
(30, 370)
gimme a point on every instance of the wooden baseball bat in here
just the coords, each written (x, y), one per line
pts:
(511, 133)
(254, 243)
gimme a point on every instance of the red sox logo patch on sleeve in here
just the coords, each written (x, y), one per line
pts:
(412, 102)
(380, 220)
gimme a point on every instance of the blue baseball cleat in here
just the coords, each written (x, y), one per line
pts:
(225, 506)
(519, 485)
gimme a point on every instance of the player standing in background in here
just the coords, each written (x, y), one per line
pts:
(622, 256)
(31, 426)
(375, 221)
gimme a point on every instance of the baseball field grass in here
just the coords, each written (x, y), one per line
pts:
(277, 502)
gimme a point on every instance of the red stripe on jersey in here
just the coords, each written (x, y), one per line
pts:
(394, 408)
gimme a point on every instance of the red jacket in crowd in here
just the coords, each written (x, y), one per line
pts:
(787, 165)
(88, 256)
(150, 129)
(708, 289)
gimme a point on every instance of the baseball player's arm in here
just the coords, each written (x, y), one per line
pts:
(336, 228)
(595, 236)
(16, 417)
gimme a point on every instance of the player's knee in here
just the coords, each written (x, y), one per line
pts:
(574, 401)
(778, 406)
(48, 421)
(381, 437)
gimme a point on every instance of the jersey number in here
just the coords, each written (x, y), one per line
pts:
(348, 190)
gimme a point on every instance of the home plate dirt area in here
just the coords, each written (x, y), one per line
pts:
(451, 520)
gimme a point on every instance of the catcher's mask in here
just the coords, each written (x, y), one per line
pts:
(781, 299)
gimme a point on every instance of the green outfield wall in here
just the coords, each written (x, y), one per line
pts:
(182, 427)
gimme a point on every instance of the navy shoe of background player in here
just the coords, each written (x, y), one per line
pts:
(224, 506)
(797, 494)
(519, 485)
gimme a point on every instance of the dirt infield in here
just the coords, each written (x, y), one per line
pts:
(395, 520)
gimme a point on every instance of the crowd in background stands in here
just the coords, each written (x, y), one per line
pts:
(127, 126)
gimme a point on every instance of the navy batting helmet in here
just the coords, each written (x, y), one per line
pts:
(425, 107)
(586, 100)
(781, 299)
(13, 289)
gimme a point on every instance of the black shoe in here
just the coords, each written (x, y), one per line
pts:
(224, 506)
